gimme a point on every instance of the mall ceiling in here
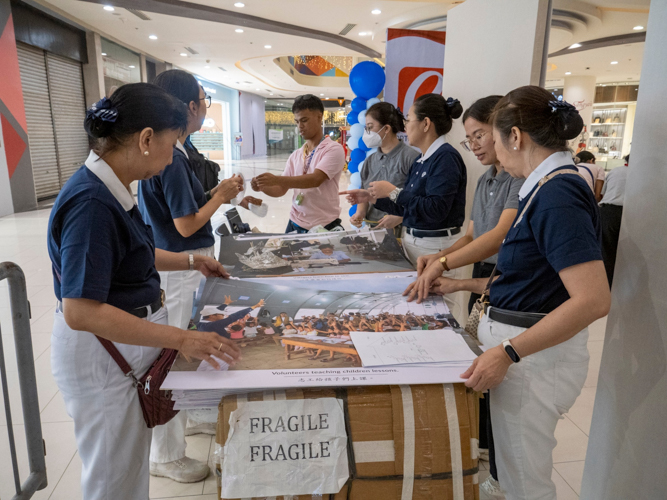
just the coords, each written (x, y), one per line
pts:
(236, 42)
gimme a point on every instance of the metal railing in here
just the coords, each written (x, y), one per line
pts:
(20, 309)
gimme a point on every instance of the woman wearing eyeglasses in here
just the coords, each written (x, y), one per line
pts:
(432, 201)
(174, 204)
(391, 162)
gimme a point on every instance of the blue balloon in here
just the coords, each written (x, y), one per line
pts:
(352, 117)
(357, 130)
(358, 104)
(362, 146)
(370, 102)
(353, 167)
(353, 210)
(357, 155)
(367, 79)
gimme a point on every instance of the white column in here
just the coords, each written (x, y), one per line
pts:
(142, 67)
(580, 91)
(626, 452)
(93, 71)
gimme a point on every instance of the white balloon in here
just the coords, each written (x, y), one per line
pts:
(353, 143)
(357, 130)
(370, 102)
(355, 179)
(362, 118)
(370, 152)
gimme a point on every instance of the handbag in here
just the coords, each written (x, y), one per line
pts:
(156, 405)
(479, 308)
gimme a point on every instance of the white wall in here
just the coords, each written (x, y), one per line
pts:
(580, 91)
(626, 448)
(6, 205)
(492, 47)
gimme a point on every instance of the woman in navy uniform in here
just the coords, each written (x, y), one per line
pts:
(552, 285)
(107, 284)
(175, 205)
(432, 201)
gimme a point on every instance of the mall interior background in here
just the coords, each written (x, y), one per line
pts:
(60, 56)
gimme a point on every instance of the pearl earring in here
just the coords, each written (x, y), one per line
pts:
(515, 148)
(146, 153)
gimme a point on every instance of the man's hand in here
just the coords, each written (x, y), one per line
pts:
(264, 181)
(381, 189)
(421, 288)
(488, 371)
(389, 221)
(210, 267)
(249, 199)
(355, 196)
(228, 189)
(357, 219)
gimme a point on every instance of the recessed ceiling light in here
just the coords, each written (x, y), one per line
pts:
(638, 28)
(104, 53)
(568, 72)
(267, 46)
(183, 54)
(207, 67)
(363, 33)
(238, 30)
(239, 5)
(321, 94)
(614, 62)
(376, 11)
(152, 37)
(256, 90)
(132, 67)
(270, 93)
(109, 8)
(575, 46)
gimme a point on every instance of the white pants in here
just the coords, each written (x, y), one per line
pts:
(526, 407)
(179, 287)
(416, 247)
(111, 435)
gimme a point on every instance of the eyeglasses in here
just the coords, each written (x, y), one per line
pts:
(207, 99)
(477, 139)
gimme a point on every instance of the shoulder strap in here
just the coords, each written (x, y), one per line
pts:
(116, 355)
(542, 182)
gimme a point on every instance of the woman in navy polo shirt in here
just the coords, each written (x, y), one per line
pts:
(105, 278)
(174, 204)
(432, 201)
(552, 286)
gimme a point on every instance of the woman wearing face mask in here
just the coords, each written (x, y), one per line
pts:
(391, 162)
(174, 204)
(105, 278)
(552, 285)
(432, 201)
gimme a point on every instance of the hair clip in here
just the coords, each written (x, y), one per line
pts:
(451, 102)
(104, 110)
(560, 104)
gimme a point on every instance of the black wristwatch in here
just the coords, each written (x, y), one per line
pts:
(511, 352)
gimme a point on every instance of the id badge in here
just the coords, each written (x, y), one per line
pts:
(299, 199)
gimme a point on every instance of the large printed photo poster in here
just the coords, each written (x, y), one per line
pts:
(300, 337)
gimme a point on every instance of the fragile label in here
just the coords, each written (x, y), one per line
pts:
(289, 447)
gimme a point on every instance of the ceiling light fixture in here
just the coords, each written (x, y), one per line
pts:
(574, 46)
(207, 67)
(568, 72)
(152, 37)
(363, 33)
(267, 46)
(270, 93)
(256, 90)
(104, 53)
(376, 12)
(322, 94)
(239, 30)
(638, 28)
(132, 67)
(109, 8)
(614, 62)
(183, 54)
(240, 5)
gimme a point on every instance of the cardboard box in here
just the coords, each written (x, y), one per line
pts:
(383, 422)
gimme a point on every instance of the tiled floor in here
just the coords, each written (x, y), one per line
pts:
(23, 241)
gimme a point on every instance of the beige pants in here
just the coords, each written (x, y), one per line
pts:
(416, 247)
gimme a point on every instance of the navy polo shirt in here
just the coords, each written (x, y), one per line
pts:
(99, 246)
(434, 195)
(173, 193)
(560, 229)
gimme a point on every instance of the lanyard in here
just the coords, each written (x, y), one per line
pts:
(309, 159)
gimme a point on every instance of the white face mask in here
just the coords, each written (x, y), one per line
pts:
(372, 139)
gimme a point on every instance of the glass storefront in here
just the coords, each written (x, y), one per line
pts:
(121, 66)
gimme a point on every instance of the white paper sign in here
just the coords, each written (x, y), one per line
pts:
(275, 135)
(289, 447)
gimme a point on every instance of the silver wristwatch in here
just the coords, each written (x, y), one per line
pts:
(394, 194)
(191, 260)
